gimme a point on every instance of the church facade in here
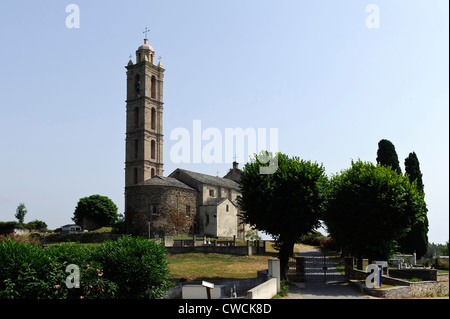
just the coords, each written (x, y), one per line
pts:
(184, 202)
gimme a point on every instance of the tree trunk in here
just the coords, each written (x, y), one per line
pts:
(286, 250)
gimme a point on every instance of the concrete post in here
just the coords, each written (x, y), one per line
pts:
(274, 271)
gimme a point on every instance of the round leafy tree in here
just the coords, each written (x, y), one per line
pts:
(369, 208)
(99, 210)
(286, 204)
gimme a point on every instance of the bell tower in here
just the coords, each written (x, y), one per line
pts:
(144, 125)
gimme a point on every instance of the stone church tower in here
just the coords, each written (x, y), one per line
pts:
(184, 202)
(144, 123)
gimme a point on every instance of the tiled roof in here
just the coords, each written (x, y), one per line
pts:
(210, 180)
(166, 181)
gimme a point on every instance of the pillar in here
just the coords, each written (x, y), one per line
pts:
(274, 271)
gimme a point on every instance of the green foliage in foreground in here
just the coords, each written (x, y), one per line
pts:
(130, 267)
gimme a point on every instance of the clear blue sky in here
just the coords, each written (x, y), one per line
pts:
(312, 69)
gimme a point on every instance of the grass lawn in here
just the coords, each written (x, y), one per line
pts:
(199, 266)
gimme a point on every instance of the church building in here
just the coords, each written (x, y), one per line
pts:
(184, 202)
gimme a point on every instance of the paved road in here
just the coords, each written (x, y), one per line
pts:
(314, 289)
(324, 291)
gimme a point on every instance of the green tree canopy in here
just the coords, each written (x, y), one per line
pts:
(21, 211)
(387, 156)
(286, 204)
(369, 208)
(100, 209)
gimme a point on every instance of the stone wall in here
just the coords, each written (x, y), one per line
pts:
(217, 247)
(413, 289)
(403, 289)
(142, 199)
(424, 274)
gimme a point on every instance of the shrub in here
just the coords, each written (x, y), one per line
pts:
(439, 264)
(36, 225)
(127, 268)
(27, 272)
(137, 265)
(32, 238)
(284, 290)
(328, 243)
(312, 238)
(94, 285)
(8, 227)
(88, 237)
(415, 279)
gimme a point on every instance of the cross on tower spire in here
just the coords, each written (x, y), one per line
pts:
(146, 31)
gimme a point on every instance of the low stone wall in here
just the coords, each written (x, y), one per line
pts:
(208, 249)
(414, 289)
(265, 290)
(404, 288)
(362, 275)
(199, 292)
(241, 285)
(442, 277)
(218, 247)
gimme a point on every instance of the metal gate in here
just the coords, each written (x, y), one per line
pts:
(314, 267)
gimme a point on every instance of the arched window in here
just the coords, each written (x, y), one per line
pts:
(136, 117)
(137, 85)
(153, 89)
(152, 174)
(152, 149)
(153, 118)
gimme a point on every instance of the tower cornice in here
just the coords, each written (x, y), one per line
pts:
(145, 63)
(149, 99)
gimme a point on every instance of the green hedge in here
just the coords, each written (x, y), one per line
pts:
(88, 237)
(8, 227)
(130, 267)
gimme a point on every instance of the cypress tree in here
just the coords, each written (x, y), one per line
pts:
(387, 156)
(412, 168)
(416, 240)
